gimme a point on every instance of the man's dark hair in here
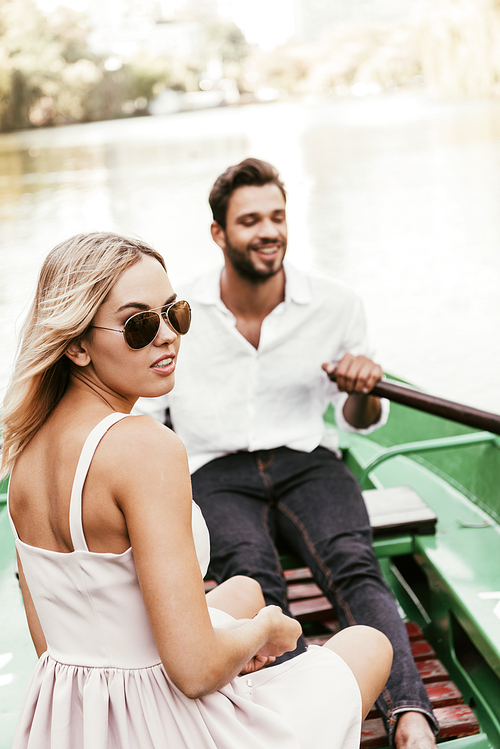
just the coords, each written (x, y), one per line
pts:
(248, 172)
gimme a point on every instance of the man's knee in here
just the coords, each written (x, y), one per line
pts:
(350, 551)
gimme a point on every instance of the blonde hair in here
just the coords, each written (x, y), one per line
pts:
(75, 279)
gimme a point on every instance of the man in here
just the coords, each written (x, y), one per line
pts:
(249, 399)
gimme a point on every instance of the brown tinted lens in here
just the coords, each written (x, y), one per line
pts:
(179, 317)
(141, 329)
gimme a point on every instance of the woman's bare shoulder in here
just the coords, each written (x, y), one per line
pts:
(143, 438)
(139, 448)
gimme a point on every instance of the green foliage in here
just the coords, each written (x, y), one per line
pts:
(284, 68)
(453, 46)
(147, 75)
(227, 41)
(460, 47)
(49, 76)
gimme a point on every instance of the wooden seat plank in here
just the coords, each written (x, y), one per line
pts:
(308, 589)
(373, 734)
(444, 694)
(441, 694)
(413, 631)
(455, 722)
(301, 573)
(432, 670)
(311, 609)
(421, 650)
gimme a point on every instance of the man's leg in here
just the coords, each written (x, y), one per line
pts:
(241, 525)
(240, 514)
(322, 515)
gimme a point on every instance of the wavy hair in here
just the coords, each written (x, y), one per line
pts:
(74, 281)
(251, 172)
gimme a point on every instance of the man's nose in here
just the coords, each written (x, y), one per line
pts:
(268, 228)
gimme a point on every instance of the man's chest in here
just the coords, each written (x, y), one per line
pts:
(249, 329)
(222, 354)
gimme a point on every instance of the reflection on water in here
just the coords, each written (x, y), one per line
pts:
(399, 196)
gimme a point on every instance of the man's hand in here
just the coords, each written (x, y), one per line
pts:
(357, 375)
(256, 663)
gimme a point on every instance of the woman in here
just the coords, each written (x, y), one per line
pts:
(110, 545)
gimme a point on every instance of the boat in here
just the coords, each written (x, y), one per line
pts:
(431, 478)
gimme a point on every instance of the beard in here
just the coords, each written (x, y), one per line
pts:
(244, 267)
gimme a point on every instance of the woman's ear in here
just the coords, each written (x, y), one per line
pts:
(78, 354)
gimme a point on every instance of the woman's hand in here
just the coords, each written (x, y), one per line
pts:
(283, 636)
(283, 632)
(257, 661)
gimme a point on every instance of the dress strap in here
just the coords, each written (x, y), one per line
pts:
(88, 450)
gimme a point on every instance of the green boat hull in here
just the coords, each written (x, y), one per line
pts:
(449, 582)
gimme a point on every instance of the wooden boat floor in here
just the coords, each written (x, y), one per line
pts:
(314, 611)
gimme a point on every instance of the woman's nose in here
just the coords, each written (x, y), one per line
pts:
(166, 333)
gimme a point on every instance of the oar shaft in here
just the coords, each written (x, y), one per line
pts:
(471, 417)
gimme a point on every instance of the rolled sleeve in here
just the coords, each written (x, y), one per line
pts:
(344, 425)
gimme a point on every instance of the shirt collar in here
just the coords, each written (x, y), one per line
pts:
(206, 288)
(298, 287)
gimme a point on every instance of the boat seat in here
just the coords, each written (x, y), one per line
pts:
(399, 509)
(398, 515)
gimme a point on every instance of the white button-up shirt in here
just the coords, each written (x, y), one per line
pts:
(230, 396)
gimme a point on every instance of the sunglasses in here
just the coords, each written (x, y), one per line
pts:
(142, 328)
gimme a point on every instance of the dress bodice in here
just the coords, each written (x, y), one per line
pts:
(83, 598)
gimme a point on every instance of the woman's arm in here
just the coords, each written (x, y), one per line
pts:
(153, 489)
(35, 628)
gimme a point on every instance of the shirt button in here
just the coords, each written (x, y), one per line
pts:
(249, 683)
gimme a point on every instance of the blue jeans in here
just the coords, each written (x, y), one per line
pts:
(313, 503)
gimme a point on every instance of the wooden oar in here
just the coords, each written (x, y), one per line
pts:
(472, 417)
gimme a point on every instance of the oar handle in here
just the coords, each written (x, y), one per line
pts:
(472, 417)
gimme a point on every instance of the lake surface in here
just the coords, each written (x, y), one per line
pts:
(397, 195)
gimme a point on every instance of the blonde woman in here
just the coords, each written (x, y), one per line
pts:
(112, 551)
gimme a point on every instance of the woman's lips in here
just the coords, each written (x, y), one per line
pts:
(164, 364)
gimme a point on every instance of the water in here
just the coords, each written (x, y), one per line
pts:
(397, 195)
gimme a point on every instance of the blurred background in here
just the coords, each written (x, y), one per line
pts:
(383, 117)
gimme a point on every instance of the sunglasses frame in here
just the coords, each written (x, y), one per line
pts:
(163, 315)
